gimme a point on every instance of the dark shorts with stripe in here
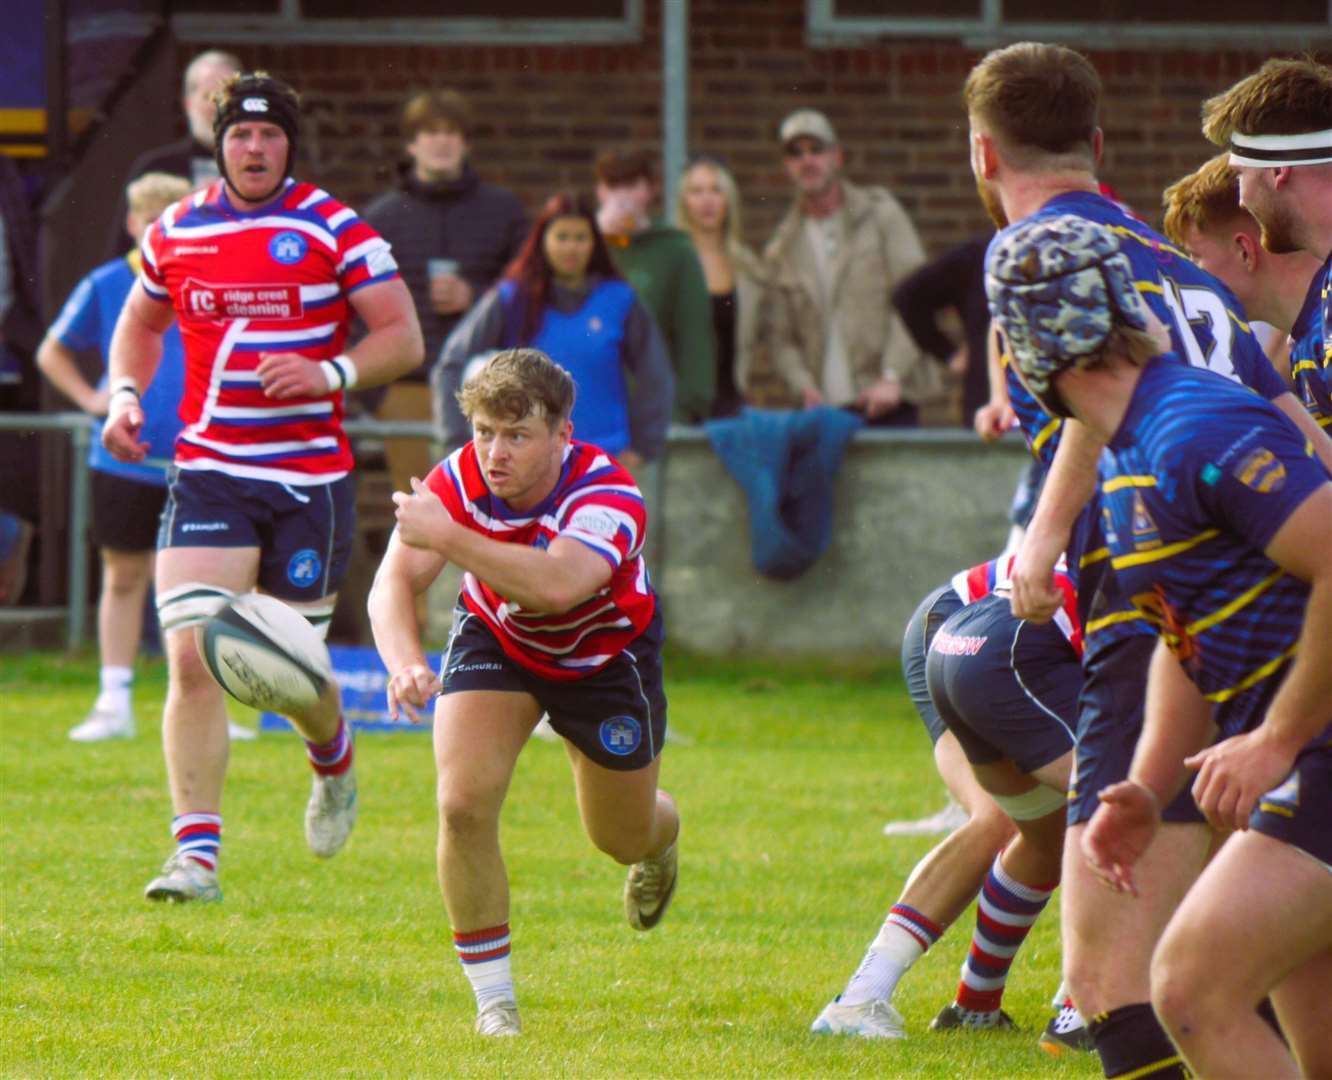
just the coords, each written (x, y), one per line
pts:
(1110, 718)
(304, 534)
(615, 716)
(126, 514)
(1005, 687)
(920, 631)
(1298, 811)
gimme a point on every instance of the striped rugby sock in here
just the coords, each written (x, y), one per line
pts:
(902, 940)
(484, 955)
(1005, 912)
(199, 837)
(333, 757)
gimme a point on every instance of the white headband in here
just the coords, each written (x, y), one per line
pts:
(1274, 151)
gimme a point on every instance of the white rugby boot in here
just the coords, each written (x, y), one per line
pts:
(875, 1019)
(182, 879)
(330, 814)
(499, 1017)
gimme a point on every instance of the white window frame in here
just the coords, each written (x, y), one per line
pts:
(989, 28)
(289, 26)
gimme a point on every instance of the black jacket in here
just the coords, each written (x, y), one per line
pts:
(480, 225)
(184, 157)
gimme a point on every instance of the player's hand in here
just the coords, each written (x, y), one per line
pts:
(993, 419)
(1119, 832)
(450, 294)
(1235, 773)
(422, 520)
(124, 425)
(410, 688)
(1035, 595)
(286, 375)
(811, 396)
(631, 459)
(880, 398)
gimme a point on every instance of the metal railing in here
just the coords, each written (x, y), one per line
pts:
(79, 428)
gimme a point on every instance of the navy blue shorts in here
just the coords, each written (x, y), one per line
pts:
(920, 631)
(304, 534)
(126, 514)
(1110, 718)
(1299, 810)
(1005, 687)
(616, 716)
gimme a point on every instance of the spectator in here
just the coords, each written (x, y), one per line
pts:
(127, 498)
(195, 156)
(452, 235)
(955, 281)
(707, 207)
(835, 259)
(564, 296)
(659, 262)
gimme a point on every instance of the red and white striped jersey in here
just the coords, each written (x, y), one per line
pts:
(595, 502)
(248, 283)
(996, 575)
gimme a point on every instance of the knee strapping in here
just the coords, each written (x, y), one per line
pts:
(191, 604)
(1030, 805)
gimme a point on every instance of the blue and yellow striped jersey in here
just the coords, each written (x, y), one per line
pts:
(1207, 329)
(1311, 348)
(1202, 476)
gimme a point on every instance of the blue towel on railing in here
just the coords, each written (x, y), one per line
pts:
(786, 461)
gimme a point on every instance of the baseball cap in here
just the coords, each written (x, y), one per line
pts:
(809, 123)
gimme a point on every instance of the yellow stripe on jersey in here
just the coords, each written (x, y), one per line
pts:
(1254, 677)
(1304, 365)
(1046, 434)
(1093, 557)
(1114, 619)
(1239, 322)
(1276, 808)
(1121, 482)
(1243, 600)
(1148, 286)
(1165, 1066)
(1140, 557)
(1153, 245)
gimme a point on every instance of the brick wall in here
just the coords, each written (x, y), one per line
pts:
(543, 112)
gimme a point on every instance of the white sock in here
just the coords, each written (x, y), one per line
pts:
(115, 695)
(490, 980)
(887, 959)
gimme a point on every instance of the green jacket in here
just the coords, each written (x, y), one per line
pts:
(661, 265)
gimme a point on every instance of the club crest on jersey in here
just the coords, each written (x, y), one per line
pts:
(1145, 533)
(303, 568)
(621, 735)
(1260, 471)
(288, 248)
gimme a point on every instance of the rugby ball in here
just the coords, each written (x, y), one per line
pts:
(265, 654)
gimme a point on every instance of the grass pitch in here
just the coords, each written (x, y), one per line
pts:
(784, 775)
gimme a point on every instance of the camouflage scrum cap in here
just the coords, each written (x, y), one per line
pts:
(1057, 287)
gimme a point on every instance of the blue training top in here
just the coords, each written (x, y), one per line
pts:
(1207, 328)
(1203, 474)
(87, 321)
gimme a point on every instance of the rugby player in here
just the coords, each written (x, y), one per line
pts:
(1035, 142)
(1217, 520)
(263, 274)
(556, 615)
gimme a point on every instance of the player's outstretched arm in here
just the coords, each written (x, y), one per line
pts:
(1069, 485)
(551, 581)
(404, 574)
(393, 346)
(1234, 774)
(136, 351)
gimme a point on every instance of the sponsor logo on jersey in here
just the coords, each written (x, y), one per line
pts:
(197, 249)
(1210, 474)
(303, 568)
(204, 526)
(595, 521)
(380, 262)
(1260, 471)
(288, 248)
(203, 300)
(621, 735)
(958, 644)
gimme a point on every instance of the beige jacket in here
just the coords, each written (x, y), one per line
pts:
(881, 249)
(751, 302)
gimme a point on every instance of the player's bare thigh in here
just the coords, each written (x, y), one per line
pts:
(478, 737)
(619, 807)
